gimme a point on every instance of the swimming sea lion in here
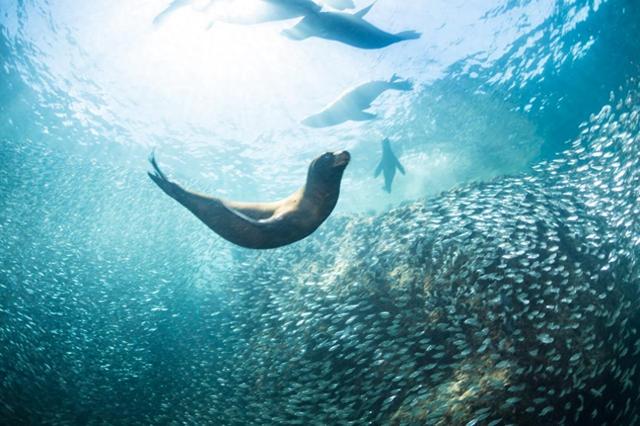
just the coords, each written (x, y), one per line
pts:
(351, 105)
(251, 12)
(388, 165)
(267, 225)
(346, 28)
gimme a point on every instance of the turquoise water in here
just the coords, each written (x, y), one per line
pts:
(496, 284)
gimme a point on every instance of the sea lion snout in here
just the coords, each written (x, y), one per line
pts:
(341, 159)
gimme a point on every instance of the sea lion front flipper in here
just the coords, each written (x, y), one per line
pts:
(232, 225)
(240, 229)
(255, 211)
(399, 166)
(360, 14)
(362, 116)
(298, 32)
(378, 170)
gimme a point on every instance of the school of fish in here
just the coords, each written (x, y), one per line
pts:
(512, 302)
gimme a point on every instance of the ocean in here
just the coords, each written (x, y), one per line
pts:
(486, 272)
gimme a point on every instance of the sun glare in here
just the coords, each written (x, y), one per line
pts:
(226, 71)
(225, 53)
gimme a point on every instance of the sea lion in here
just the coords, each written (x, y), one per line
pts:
(346, 28)
(351, 104)
(266, 225)
(388, 165)
(253, 12)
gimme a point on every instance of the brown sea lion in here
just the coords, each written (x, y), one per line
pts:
(266, 225)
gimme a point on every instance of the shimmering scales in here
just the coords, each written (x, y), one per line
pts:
(510, 302)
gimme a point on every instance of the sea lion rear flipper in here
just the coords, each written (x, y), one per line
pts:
(154, 164)
(160, 179)
(408, 35)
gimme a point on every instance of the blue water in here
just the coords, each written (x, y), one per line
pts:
(520, 142)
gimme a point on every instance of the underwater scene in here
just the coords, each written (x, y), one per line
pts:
(327, 212)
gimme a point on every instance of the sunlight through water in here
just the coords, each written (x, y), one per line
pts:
(481, 266)
(216, 94)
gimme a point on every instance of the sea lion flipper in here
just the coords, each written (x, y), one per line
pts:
(363, 116)
(378, 170)
(160, 179)
(408, 35)
(399, 166)
(363, 11)
(235, 226)
(299, 31)
(156, 168)
(167, 186)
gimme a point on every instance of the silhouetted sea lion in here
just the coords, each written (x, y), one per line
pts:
(267, 225)
(352, 104)
(388, 165)
(348, 28)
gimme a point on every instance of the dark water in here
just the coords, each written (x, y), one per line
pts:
(510, 298)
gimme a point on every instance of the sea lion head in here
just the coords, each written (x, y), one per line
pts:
(328, 167)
